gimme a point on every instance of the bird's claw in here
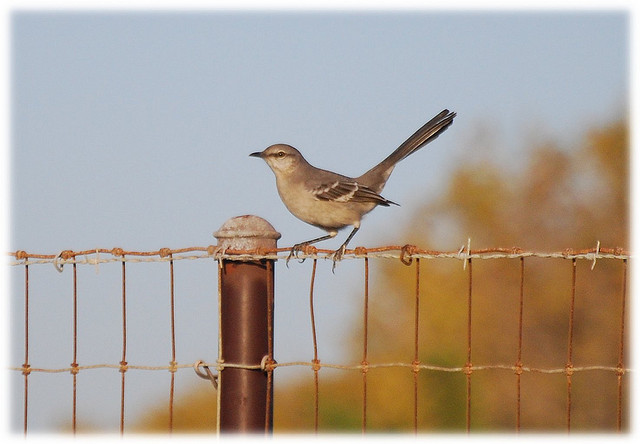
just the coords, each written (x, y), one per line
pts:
(336, 256)
(295, 251)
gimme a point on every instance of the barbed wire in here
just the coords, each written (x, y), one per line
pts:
(405, 253)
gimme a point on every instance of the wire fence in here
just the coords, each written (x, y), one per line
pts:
(409, 255)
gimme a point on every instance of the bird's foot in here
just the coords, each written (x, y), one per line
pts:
(336, 256)
(295, 251)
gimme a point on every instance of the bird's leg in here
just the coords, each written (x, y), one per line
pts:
(337, 255)
(299, 247)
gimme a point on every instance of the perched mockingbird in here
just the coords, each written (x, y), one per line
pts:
(331, 201)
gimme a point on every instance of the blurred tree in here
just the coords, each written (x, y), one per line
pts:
(562, 198)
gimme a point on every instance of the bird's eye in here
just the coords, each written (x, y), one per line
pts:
(281, 154)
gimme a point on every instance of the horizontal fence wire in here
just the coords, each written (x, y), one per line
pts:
(407, 254)
(219, 366)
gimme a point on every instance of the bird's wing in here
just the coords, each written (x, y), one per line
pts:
(349, 191)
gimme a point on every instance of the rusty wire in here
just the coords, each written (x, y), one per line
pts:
(365, 344)
(220, 360)
(270, 362)
(316, 361)
(621, 352)
(173, 343)
(519, 358)
(26, 368)
(74, 363)
(213, 252)
(569, 365)
(123, 361)
(406, 254)
(416, 348)
(468, 365)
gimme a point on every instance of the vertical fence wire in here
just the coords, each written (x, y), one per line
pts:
(519, 359)
(315, 361)
(269, 365)
(26, 369)
(569, 366)
(416, 350)
(123, 362)
(173, 362)
(365, 344)
(365, 365)
(74, 363)
(468, 366)
(219, 267)
(621, 350)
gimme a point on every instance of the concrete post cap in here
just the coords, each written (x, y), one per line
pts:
(247, 232)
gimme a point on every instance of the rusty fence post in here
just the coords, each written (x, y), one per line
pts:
(246, 327)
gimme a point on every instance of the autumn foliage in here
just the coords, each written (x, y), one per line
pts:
(557, 198)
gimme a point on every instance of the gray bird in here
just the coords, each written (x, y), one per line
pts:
(331, 201)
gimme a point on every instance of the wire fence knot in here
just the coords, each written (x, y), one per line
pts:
(569, 369)
(518, 368)
(208, 375)
(360, 251)
(309, 250)
(619, 251)
(406, 254)
(268, 364)
(64, 255)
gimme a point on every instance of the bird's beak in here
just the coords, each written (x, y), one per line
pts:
(256, 154)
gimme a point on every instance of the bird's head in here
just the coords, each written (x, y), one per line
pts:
(280, 157)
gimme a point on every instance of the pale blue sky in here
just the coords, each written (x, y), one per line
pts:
(134, 130)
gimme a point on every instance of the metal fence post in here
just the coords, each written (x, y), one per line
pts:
(246, 327)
